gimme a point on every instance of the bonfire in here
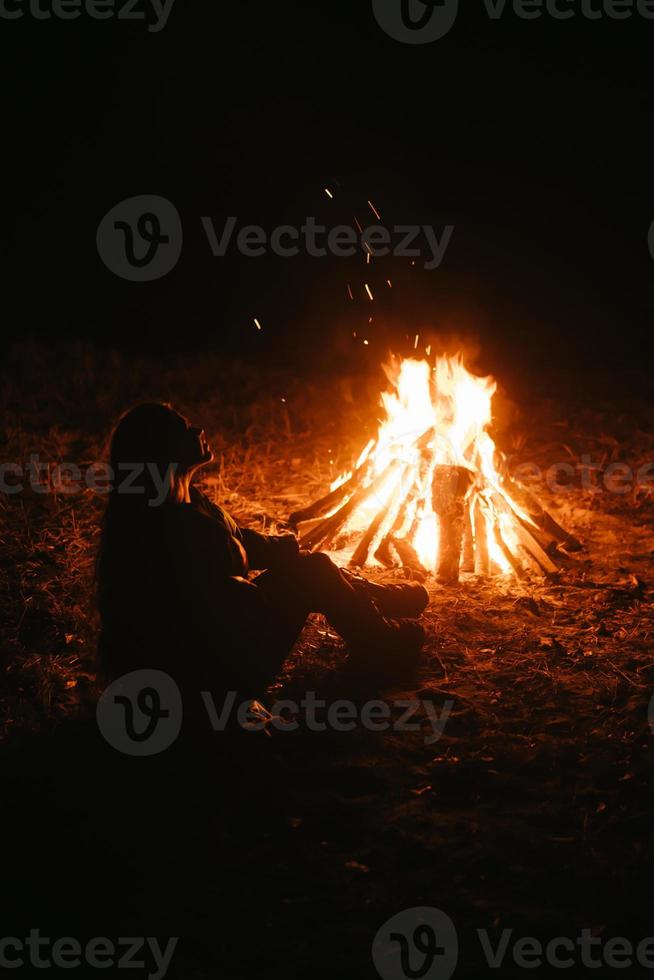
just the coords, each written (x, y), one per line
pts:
(431, 493)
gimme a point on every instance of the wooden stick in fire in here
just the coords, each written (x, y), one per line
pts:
(482, 558)
(409, 557)
(450, 487)
(468, 553)
(508, 554)
(383, 552)
(541, 518)
(526, 539)
(404, 550)
(324, 534)
(384, 515)
(331, 500)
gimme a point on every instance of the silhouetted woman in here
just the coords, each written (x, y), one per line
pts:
(173, 573)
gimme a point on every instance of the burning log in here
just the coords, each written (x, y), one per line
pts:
(303, 527)
(536, 554)
(540, 517)
(360, 556)
(321, 507)
(450, 486)
(324, 534)
(409, 557)
(468, 553)
(383, 552)
(531, 545)
(506, 551)
(376, 527)
(547, 523)
(482, 558)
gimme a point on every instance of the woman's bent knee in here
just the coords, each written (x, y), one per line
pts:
(320, 564)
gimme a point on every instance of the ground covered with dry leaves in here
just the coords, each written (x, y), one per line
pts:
(286, 853)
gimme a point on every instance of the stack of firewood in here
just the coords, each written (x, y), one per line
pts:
(469, 510)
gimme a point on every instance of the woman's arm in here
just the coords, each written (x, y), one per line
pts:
(261, 550)
(269, 550)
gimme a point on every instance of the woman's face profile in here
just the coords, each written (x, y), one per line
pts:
(197, 451)
(156, 433)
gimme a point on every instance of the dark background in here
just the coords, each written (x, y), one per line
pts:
(531, 137)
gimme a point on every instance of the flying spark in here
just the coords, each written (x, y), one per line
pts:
(374, 211)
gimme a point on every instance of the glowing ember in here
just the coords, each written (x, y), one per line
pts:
(432, 492)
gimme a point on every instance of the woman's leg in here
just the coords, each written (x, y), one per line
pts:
(407, 599)
(313, 583)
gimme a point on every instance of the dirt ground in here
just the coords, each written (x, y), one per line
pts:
(285, 853)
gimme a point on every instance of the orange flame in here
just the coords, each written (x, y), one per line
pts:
(433, 415)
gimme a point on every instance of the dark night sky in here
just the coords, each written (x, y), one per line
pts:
(531, 138)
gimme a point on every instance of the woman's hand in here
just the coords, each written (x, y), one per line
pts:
(286, 546)
(269, 550)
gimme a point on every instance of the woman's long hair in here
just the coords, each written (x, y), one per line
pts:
(147, 458)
